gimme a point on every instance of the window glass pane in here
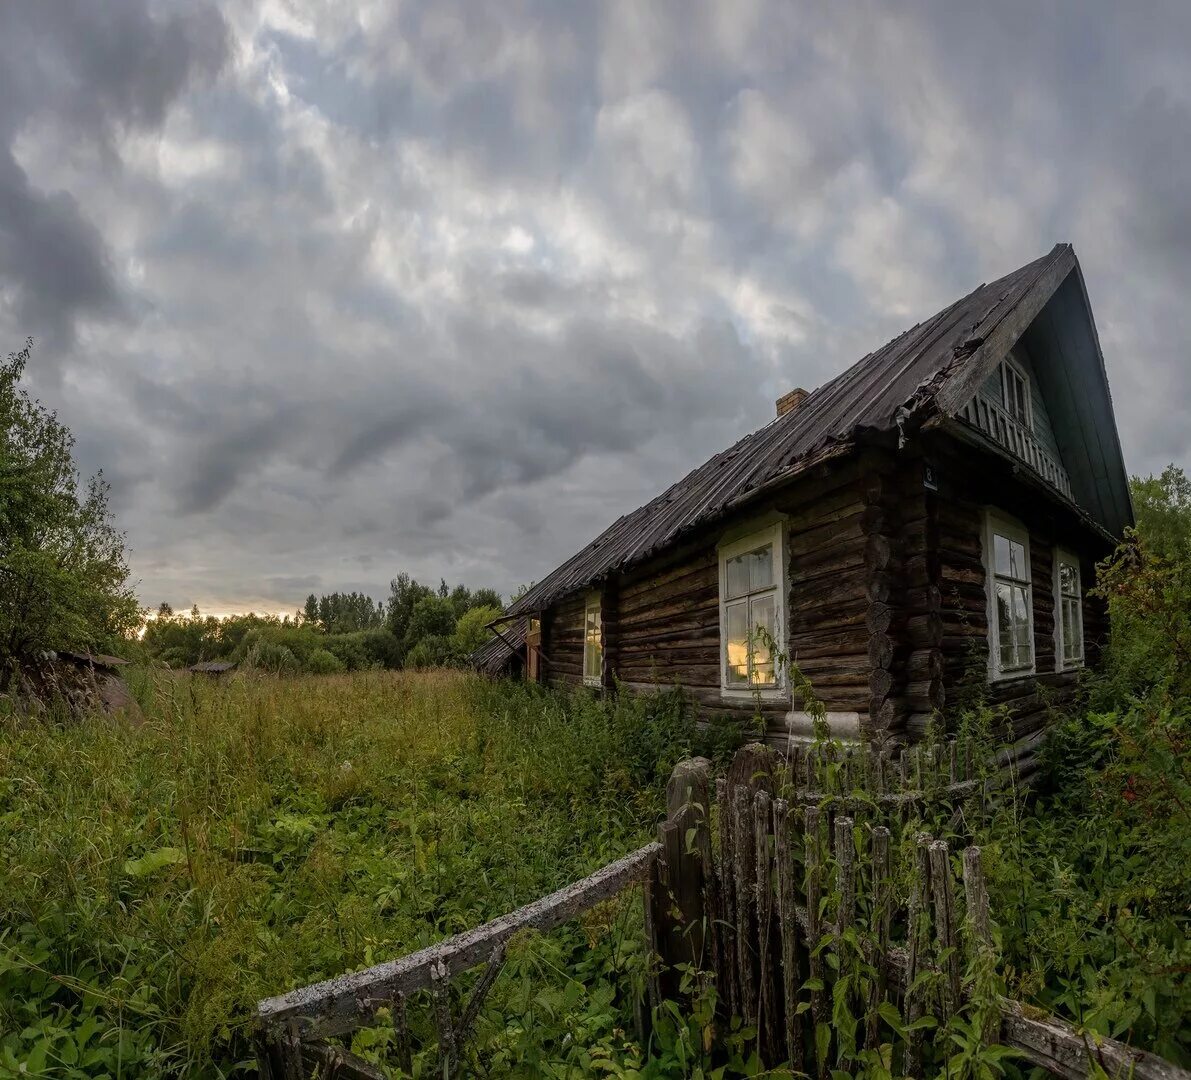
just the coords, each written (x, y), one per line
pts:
(1068, 578)
(1017, 560)
(1021, 615)
(1000, 554)
(1007, 662)
(737, 643)
(761, 568)
(763, 631)
(738, 576)
(1004, 622)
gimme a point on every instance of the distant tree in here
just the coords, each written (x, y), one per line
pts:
(404, 594)
(165, 611)
(520, 591)
(489, 598)
(310, 611)
(433, 651)
(471, 630)
(432, 617)
(63, 578)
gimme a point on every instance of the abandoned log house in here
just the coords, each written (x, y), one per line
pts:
(928, 520)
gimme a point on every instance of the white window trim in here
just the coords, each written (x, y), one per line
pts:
(1061, 662)
(1010, 363)
(592, 603)
(1004, 525)
(776, 535)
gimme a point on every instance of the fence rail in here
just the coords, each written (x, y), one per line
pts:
(792, 896)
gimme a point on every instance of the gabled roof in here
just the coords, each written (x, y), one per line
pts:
(934, 366)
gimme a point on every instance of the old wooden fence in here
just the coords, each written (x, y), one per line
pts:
(817, 904)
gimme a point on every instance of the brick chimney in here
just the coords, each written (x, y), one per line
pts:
(789, 402)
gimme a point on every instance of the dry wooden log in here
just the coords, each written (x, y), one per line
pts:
(926, 696)
(915, 959)
(946, 936)
(877, 552)
(478, 996)
(401, 1032)
(880, 650)
(788, 926)
(763, 884)
(1072, 1054)
(879, 618)
(727, 922)
(881, 915)
(336, 1063)
(744, 868)
(813, 890)
(440, 990)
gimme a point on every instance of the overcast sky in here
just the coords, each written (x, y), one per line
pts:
(334, 290)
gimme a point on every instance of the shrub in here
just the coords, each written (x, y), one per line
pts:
(272, 658)
(433, 651)
(321, 662)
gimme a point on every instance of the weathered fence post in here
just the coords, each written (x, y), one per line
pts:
(788, 925)
(685, 873)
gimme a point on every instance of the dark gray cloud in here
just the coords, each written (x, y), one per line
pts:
(91, 72)
(446, 286)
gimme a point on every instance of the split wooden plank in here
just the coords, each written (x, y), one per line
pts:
(334, 1006)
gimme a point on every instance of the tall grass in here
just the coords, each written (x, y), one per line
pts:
(261, 833)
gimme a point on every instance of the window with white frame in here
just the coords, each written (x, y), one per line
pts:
(1015, 393)
(1068, 611)
(752, 602)
(593, 642)
(1011, 598)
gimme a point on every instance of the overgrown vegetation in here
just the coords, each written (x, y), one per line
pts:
(263, 833)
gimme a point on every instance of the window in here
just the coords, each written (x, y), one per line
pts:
(751, 612)
(1010, 617)
(1068, 611)
(1015, 393)
(593, 643)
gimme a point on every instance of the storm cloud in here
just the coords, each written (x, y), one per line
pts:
(333, 291)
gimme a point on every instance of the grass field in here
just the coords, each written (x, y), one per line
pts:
(262, 833)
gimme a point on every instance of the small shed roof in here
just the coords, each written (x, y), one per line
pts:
(934, 365)
(99, 660)
(493, 656)
(212, 667)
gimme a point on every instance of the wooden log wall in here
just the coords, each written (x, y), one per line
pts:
(830, 545)
(952, 572)
(884, 558)
(562, 641)
(887, 604)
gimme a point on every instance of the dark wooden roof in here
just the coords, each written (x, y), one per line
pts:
(100, 660)
(212, 667)
(494, 655)
(896, 381)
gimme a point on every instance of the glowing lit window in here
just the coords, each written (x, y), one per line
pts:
(751, 612)
(1011, 598)
(1068, 611)
(593, 643)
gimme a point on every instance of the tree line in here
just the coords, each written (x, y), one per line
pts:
(418, 626)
